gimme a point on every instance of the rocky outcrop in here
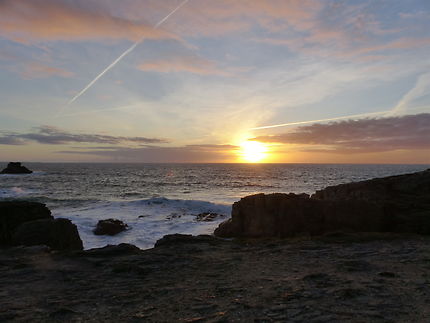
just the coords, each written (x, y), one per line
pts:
(58, 234)
(401, 187)
(31, 223)
(15, 168)
(207, 216)
(391, 204)
(14, 213)
(110, 227)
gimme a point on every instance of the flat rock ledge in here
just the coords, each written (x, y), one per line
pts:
(391, 204)
(335, 278)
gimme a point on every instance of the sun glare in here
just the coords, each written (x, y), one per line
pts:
(253, 151)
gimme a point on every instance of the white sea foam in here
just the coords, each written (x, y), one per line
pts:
(149, 219)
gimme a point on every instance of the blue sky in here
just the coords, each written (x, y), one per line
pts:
(194, 88)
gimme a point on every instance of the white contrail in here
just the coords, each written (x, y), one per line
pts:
(420, 89)
(132, 47)
(104, 71)
(388, 113)
(167, 17)
(322, 120)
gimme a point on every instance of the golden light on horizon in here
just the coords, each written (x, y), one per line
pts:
(253, 151)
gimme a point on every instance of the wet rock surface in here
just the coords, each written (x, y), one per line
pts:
(208, 216)
(15, 213)
(58, 234)
(15, 168)
(110, 227)
(392, 204)
(337, 278)
(31, 223)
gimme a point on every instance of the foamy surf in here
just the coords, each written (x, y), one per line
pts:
(148, 219)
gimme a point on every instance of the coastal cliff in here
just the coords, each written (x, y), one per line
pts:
(391, 204)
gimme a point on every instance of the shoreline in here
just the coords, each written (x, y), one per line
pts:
(326, 268)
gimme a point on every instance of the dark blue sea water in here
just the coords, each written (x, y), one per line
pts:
(158, 199)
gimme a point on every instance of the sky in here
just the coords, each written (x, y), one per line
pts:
(285, 81)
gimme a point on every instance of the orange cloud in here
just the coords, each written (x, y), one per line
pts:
(28, 69)
(30, 21)
(409, 132)
(226, 16)
(342, 47)
(190, 64)
(37, 70)
(341, 30)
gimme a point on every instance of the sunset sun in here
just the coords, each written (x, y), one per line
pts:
(253, 151)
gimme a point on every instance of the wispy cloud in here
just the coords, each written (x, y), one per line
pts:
(30, 21)
(33, 70)
(53, 136)
(358, 136)
(345, 49)
(337, 29)
(9, 139)
(181, 63)
(230, 16)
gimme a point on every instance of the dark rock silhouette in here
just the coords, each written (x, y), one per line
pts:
(110, 227)
(112, 250)
(15, 168)
(31, 223)
(177, 239)
(15, 213)
(392, 204)
(58, 234)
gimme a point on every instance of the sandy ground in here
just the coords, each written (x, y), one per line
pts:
(339, 278)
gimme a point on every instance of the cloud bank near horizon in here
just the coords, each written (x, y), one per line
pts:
(359, 136)
(206, 153)
(48, 135)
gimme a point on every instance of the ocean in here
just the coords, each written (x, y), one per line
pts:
(159, 199)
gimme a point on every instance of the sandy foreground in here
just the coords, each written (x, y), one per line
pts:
(337, 278)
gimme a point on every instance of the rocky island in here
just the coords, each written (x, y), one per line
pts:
(15, 168)
(357, 252)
